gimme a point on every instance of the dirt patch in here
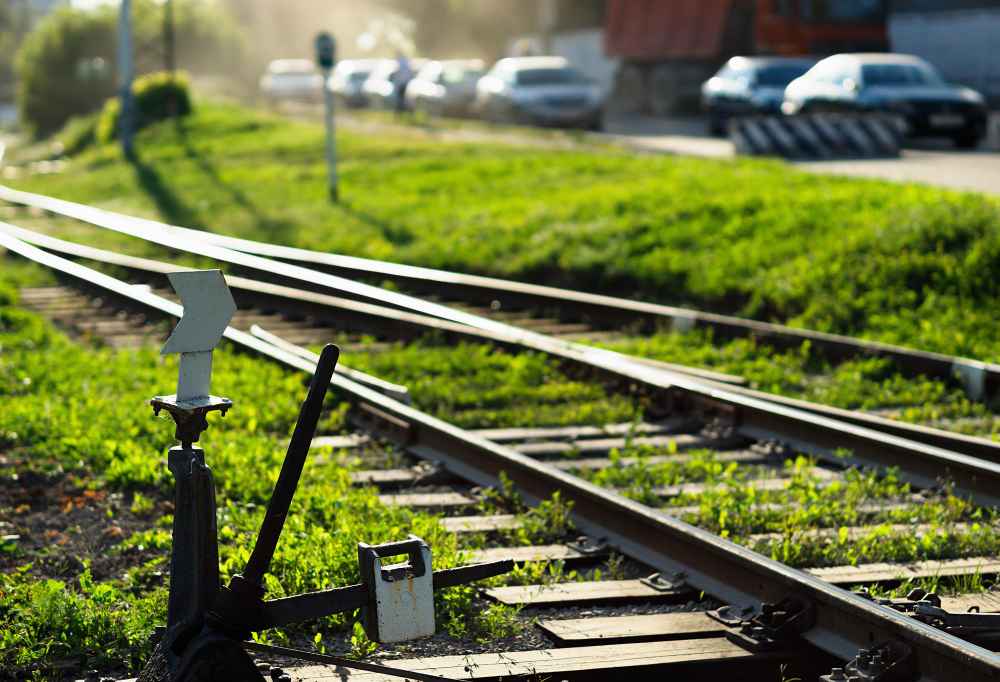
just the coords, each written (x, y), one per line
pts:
(59, 522)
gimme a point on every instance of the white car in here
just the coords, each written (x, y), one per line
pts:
(445, 88)
(291, 79)
(543, 91)
(348, 79)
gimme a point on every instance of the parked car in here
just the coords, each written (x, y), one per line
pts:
(445, 88)
(348, 78)
(540, 91)
(894, 83)
(749, 85)
(291, 79)
(388, 82)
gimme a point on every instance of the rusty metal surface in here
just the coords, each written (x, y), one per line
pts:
(844, 623)
(651, 30)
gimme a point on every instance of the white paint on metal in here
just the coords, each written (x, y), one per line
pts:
(405, 608)
(756, 135)
(208, 307)
(194, 375)
(682, 323)
(828, 130)
(882, 134)
(972, 374)
(856, 134)
(804, 131)
(786, 141)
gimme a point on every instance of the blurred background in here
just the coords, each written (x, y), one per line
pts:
(58, 57)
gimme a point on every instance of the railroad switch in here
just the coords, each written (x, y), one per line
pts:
(979, 628)
(885, 662)
(382, 423)
(666, 582)
(208, 624)
(589, 546)
(775, 625)
(734, 616)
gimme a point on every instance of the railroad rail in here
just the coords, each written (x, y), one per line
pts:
(981, 380)
(755, 415)
(839, 623)
(386, 321)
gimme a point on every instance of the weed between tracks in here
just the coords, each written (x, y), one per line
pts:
(74, 424)
(858, 384)
(87, 531)
(865, 517)
(901, 263)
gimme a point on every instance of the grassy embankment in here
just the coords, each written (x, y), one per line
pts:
(902, 263)
(891, 262)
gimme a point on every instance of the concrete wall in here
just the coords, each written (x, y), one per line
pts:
(962, 43)
(585, 50)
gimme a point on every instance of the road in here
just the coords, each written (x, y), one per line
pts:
(933, 162)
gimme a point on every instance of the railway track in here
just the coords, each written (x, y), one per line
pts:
(565, 312)
(703, 425)
(617, 322)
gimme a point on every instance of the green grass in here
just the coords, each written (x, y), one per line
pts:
(476, 386)
(857, 384)
(736, 510)
(78, 413)
(901, 263)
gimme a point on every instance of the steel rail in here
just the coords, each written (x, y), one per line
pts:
(758, 418)
(314, 302)
(844, 623)
(401, 324)
(979, 379)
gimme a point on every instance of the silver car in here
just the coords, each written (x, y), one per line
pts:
(348, 78)
(445, 88)
(291, 79)
(544, 91)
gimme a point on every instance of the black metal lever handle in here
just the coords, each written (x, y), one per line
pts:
(291, 468)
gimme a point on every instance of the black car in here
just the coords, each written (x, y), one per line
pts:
(892, 83)
(749, 85)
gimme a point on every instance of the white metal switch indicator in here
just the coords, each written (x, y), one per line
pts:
(208, 308)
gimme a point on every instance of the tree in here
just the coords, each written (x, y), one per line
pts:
(8, 45)
(67, 65)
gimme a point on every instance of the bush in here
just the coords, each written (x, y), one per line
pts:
(67, 65)
(157, 97)
(77, 135)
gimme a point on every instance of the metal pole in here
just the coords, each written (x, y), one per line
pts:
(125, 74)
(331, 146)
(169, 53)
(168, 37)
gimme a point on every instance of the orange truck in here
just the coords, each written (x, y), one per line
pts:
(669, 47)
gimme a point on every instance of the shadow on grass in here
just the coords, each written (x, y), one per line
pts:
(169, 205)
(271, 228)
(173, 208)
(398, 235)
